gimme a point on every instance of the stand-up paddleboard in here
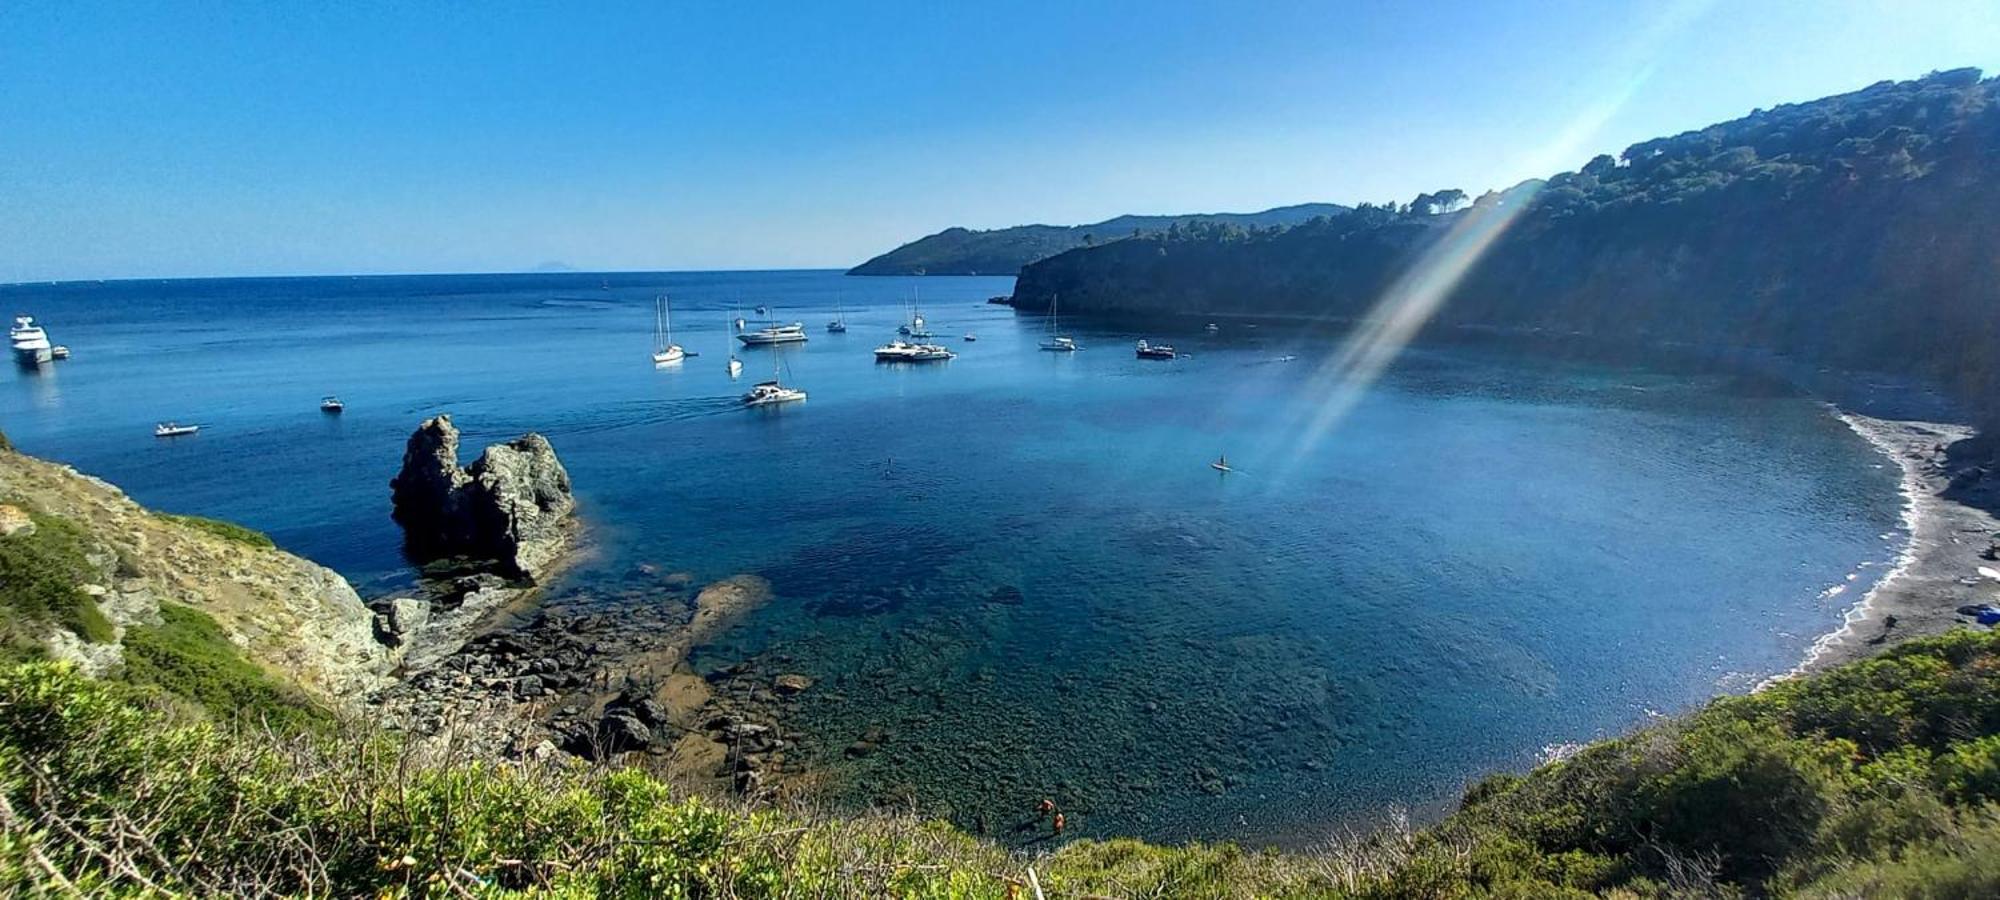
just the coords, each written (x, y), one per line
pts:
(1221, 464)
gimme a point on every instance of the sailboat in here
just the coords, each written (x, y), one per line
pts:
(839, 323)
(665, 351)
(735, 366)
(1058, 342)
(771, 393)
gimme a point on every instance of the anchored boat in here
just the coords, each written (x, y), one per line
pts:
(794, 333)
(665, 351)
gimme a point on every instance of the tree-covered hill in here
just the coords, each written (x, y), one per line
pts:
(1857, 230)
(1003, 251)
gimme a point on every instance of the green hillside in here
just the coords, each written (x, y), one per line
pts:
(1003, 251)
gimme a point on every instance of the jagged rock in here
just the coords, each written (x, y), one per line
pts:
(400, 618)
(618, 732)
(510, 507)
(790, 685)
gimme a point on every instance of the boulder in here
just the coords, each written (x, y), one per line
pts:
(619, 732)
(511, 507)
(791, 685)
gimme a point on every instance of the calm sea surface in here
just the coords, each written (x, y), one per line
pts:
(1491, 554)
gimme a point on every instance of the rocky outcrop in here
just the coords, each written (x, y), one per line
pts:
(510, 510)
(299, 620)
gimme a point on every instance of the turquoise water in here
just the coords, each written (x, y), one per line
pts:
(1019, 564)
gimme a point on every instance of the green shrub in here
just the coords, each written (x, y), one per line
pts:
(41, 575)
(188, 656)
(221, 529)
(1768, 795)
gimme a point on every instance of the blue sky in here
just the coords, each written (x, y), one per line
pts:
(142, 139)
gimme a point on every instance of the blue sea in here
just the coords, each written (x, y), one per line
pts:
(1018, 564)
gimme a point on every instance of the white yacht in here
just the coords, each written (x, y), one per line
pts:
(331, 404)
(1155, 351)
(774, 334)
(665, 351)
(770, 393)
(904, 351)
(173, 429)
(30, 342)
(1061, 343)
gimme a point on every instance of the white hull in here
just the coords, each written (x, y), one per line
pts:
(669, 356)
(760, 339)
(33, 356)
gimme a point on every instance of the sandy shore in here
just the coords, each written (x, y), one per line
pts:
(1938, 572)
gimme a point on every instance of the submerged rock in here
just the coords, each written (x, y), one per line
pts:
(511, 507)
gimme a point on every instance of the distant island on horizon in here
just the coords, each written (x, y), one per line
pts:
(1003, 251)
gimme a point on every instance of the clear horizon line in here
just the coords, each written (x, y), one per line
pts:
(842, 269)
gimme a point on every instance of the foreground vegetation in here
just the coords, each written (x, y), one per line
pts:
(1877, 779)
(227, 530)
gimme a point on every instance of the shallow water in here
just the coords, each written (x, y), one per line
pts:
(1019, 564)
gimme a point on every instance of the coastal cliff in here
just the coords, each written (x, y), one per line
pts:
(94, 579)
(1853, 231)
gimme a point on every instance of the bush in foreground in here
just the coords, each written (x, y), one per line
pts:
(1876, 779)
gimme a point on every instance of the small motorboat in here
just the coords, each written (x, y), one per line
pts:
(735, 366)
(331, 404)
(970, 337)
(1213, 328)
(1155, 351)
(1221, 464)
(59, 352)
(174, 429)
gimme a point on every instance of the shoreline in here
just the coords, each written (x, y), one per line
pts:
(1920, 594)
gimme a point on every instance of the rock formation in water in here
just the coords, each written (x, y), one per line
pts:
(511, 508)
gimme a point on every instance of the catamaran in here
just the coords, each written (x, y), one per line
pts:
(839, 323)
(665, 351)
(771, 393)
(1058, 342)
